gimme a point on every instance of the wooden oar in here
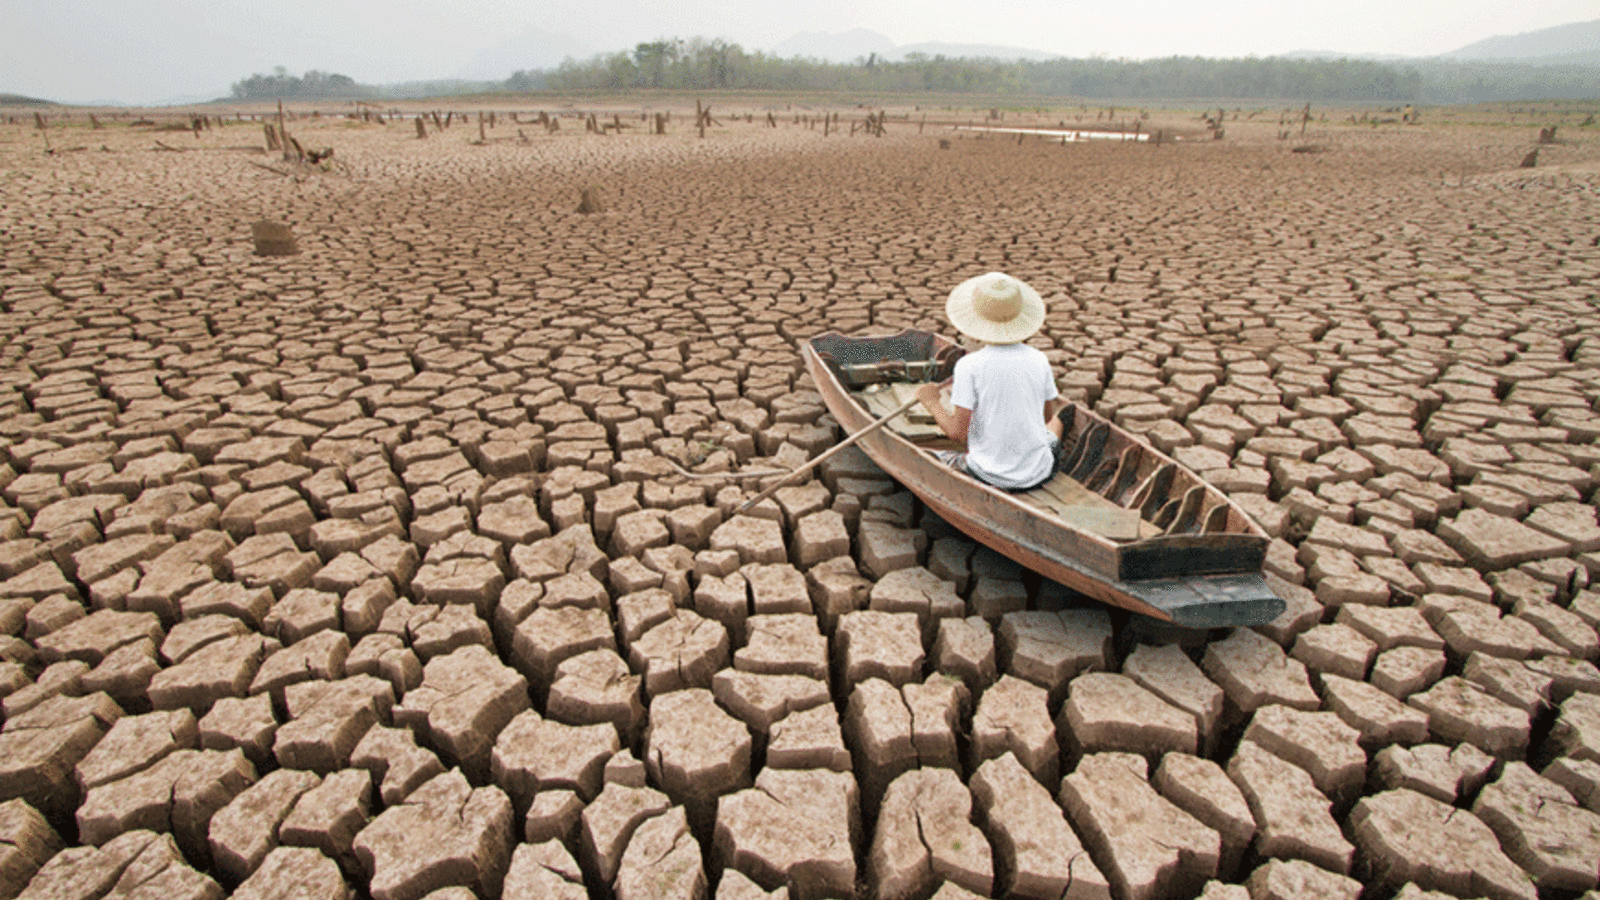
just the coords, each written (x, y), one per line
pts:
(849, 441)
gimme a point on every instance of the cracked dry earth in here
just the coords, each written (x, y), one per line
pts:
(364, 572)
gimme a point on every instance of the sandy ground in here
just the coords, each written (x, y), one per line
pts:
(363, 570)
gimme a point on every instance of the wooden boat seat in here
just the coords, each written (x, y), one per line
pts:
(915, 425)
(1068, 498)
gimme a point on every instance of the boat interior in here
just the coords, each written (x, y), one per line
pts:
(1110, 484)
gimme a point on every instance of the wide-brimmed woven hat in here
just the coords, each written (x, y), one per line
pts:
(995, 308)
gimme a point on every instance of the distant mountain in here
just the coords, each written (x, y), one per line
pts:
(19, 100)
(861, 43)
(1577, 44)
(839, 48)
(531, 48)
(1563, 43)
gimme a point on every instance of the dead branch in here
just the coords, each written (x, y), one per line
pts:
(273, 169)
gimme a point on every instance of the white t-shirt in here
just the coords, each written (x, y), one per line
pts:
(1006, 387)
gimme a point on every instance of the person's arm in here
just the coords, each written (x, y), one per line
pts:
(954, 423)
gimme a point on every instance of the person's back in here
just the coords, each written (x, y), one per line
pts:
(1001, 393)
(1006, 387)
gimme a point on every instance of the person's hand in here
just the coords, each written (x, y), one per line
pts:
(928, 393)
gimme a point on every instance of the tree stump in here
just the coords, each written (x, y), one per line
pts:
(422, 128)
(1531, 160)
(591, 201)
(272, 136)
(273, 239)
(1547, 135)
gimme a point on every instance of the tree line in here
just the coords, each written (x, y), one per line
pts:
(280, 85)
(711, 65)
(716, 65)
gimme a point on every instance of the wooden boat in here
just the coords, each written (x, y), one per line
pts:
(1122, 522)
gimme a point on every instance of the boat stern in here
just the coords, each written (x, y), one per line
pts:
(1212, 601)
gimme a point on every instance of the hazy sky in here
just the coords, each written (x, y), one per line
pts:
(151, 51)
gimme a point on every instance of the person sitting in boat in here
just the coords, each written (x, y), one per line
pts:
(1004, 393)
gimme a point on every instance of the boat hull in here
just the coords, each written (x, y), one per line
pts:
(1197, 581)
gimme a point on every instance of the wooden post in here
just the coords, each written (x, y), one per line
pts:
(1304, 118)
(422, 128)
(482, 139)
(283, 134)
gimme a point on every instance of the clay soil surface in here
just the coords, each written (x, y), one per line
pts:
(369, 570)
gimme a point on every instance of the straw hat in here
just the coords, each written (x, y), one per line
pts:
(995, 308)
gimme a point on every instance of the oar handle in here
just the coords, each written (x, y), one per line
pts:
(839, 448)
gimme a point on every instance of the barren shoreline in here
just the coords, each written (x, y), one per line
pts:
(363, 572)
